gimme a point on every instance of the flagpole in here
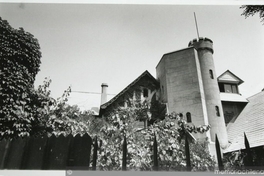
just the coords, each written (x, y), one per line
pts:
(196, 25)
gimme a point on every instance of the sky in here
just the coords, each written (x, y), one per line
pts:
(84, 45)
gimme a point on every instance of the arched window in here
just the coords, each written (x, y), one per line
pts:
(211, 74)
(189, 117)
(217, 110)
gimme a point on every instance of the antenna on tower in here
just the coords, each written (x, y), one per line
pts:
(196, 25)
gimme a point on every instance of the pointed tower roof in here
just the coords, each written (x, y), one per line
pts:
(229, 77)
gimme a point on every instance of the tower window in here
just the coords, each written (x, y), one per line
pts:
(145, 93)
(217, 111)
(211, 74)
(189, 118)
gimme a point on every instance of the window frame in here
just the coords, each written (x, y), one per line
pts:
(211, 74)
(233, 88)
(217, 111)
(188, 117)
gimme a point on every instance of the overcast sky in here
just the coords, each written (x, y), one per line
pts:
(85, 45)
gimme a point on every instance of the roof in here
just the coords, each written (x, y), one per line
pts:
(229, 77)
(144, 74)
(232, 97)
(251, 122)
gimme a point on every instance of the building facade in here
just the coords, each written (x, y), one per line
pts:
(186, 83)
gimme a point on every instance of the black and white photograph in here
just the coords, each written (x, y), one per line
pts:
(118, 87)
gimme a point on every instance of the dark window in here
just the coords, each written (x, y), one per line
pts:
(230, 88)
(217, 110)
(221, 87)
(211, 74)
(189, 118)
(145, 92)
(234, 89)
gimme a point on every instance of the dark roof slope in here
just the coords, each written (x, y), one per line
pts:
(250, 121)
(143, 75)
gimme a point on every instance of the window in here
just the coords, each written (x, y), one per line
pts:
(145, 93)
(230, 88)
(234, 89)
(189, 118)
(211, 74)
(217, 111)
(221, 87)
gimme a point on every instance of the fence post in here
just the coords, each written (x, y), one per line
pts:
(95, 154)
(187, 153)
(6, 149)
(218, 153)
(155, 154)
(124, 159)
(249, 158)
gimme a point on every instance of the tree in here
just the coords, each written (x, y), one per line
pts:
(26, 111)
(250, 10)
(169, 132)
(20, 62)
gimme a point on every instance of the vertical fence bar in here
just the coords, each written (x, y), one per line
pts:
(218, 153)
(25, 154)
(95, 153)
(155, 154)
(187, 153)
(124, 159)
(47, 145)
(249, 158)
(5, 149)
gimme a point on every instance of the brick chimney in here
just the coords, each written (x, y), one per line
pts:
(104, 93)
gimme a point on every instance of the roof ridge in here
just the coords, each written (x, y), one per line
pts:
(146, 72)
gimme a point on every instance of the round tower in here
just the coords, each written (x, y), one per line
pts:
(204, 47)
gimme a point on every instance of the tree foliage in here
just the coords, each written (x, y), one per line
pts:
(24, 110)
(251, 10)
(170, 134)
(20, 61)
(27, 111)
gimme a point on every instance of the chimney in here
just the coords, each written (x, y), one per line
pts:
(104, 93)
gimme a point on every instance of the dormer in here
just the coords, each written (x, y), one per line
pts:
(232, 101)
(228, 82)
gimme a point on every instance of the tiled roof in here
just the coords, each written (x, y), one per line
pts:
(229, 77)
(145, 73)
(250, 121)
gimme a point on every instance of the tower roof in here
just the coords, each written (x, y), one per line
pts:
(229, 77)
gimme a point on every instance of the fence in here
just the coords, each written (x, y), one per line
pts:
(52, 153)
(60, 153)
